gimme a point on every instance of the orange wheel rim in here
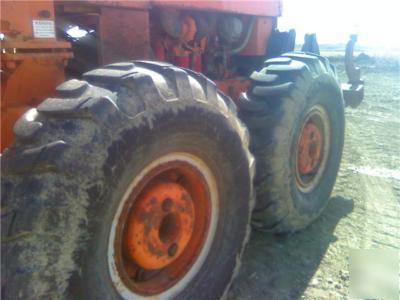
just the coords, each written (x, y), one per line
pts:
(312, 148)
(162, 228)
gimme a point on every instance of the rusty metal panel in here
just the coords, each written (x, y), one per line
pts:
(269, 8)
(17, 18)
(137, 4)
(32, 59)
(27, 78)
(124, 34)
(257, 44)
(86, 6)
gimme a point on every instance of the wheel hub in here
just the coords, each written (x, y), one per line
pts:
(160, 225)
(309, 149)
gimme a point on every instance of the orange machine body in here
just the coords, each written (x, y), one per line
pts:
(33, 60)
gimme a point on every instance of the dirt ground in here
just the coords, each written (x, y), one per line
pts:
(363, 213)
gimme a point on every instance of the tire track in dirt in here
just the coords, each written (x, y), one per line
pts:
(381, 215)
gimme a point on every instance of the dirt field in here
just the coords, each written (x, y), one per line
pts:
(363, 213)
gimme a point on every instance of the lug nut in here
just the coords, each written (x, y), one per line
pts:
(167, 204)
(172, 249)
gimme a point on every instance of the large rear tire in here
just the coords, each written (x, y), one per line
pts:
(295, 114)
(135, 182)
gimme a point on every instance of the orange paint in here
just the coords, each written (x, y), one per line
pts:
(160, 225)
(31, 66)
(233, 87)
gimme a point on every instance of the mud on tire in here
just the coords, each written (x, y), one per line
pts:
(275, 109)
(75, 155)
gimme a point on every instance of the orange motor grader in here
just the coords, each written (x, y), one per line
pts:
(180, 122)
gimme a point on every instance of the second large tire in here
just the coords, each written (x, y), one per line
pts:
(285, 95)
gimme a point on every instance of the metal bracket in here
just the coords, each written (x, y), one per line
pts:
(353, 90)
(310, 44)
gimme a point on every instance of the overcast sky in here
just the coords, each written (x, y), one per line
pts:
(376, 21)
